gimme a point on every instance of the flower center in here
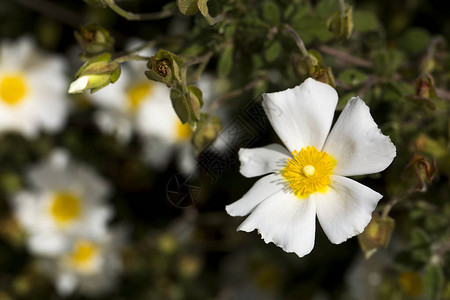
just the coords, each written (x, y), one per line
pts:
(137, 94)
(65, 208)
(183, 131)
(12, 88)
(308, 171)
(83, 256)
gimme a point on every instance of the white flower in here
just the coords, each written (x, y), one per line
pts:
(308, 180)
(90, 266)
(66, 199)
(32, 89)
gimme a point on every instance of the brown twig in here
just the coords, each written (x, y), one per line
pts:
(137, 17)
(54, 11)
(297, 39)
(235, 93)
(199, 59)
(394, 200)
(345, 57)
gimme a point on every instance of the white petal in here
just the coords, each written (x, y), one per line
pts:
(285, 220)
(79, 85)
(260, 191)
(260, 161)
(357, 143)
(66, 283)
(302, 116)
(47, 243)
(346, 209)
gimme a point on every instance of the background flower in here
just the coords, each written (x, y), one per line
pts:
(32, 89)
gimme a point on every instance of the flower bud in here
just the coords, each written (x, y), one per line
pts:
(95, 74)
(376, 235)
(94, 40)
(341, 25)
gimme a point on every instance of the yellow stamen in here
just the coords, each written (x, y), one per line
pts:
(13, 88)
(83, 255)
(65, 208)
(137, 94)
(308, 171)
(184, 131)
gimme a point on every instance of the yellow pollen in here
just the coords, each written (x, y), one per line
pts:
(83, 255)
(12, 88)
(308, 171)
(183, 131)
(65, 208)
(137, 93)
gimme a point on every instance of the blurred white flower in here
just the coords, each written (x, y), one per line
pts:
(308, 180)
(66, 199)
(136, 104)
(32, 89)
(88, 266)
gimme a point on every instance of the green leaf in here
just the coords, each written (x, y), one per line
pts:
(419, 238)
(415, 40)
(271, 13)
(225, 63)
(352, 76)
(365, 21)
(203, 6)
(272, 50)
(180, 105)
(187, 7)
(195, 101)
(434, 281)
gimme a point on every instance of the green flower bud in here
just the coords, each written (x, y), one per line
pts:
(95, 74)
(376, 235)
(167, 68)
(94, 40)
(341, 25)
(207, 130)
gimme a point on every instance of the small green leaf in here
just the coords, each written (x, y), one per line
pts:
(434, 281)
(179, 105)
(352, 76)
(225, 63)
(195, 101)
(365, 21)
(272, 51)
(415, 40)
(271, 13)
(187, 7)
(203, 6)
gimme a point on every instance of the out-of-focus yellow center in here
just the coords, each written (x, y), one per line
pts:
(137, 93)
(13, 88)
(65, 208)
(183, 131)
(83, 255)
(308, 171)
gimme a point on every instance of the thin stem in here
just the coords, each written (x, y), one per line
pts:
(199, 60)
(54, 11)
(131, 57)
(297, 39)
(235, 93)
(345, 57)
(137, 17)
(393, 201)
(342, 14)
